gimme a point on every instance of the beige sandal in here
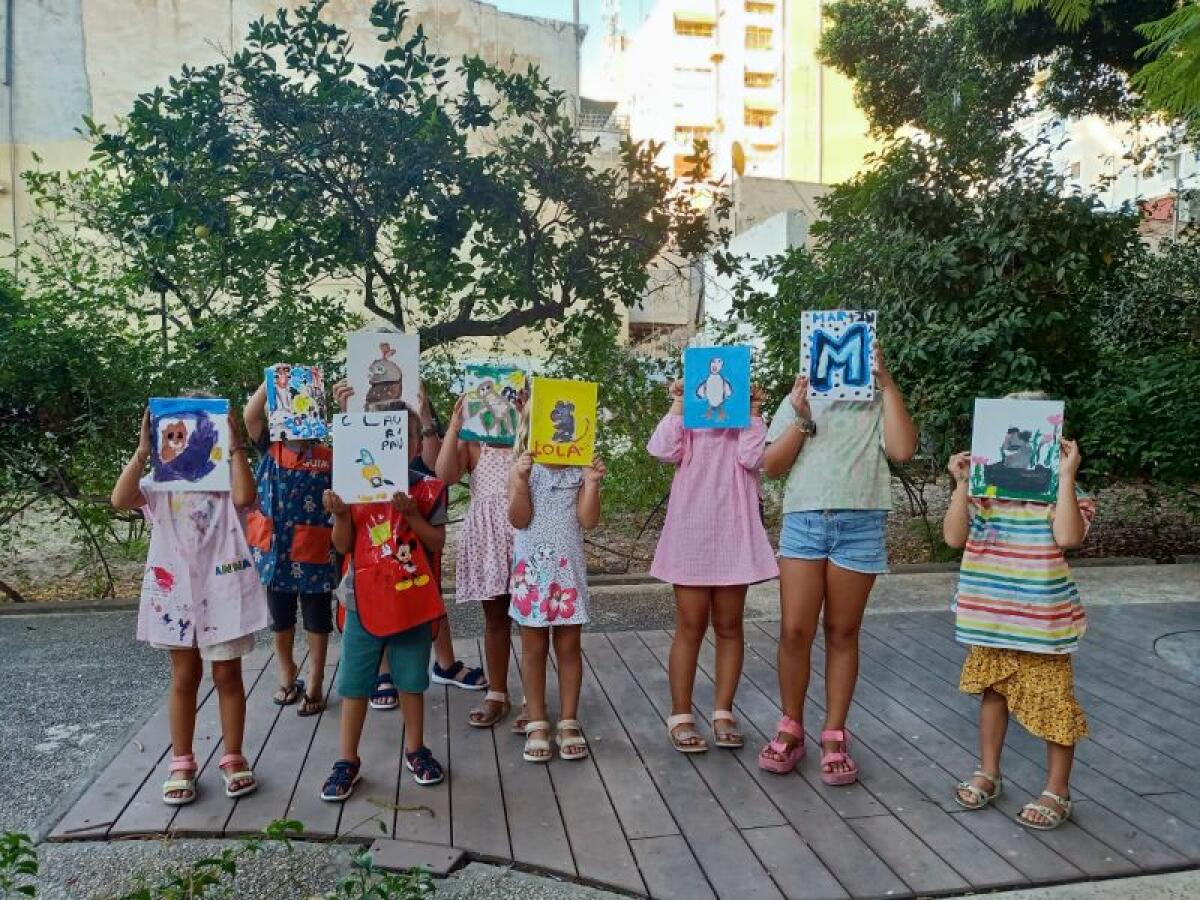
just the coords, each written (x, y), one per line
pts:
(181, 779)
(731, 738)
(537, 750)
(979, 797)
(688, 739)
(481, 717)
(1053, 817)
(522, 719)
(571, 747)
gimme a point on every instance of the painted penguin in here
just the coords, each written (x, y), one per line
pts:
(715, 389)
(370, 469)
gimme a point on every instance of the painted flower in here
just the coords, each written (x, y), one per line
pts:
(979, 460)
(1047, 438)
(1056, 419)
(559, 602)
(524, 589)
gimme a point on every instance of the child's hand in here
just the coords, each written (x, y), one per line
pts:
(423, 405)
(406, 505)
(799, 397)
(757, 396)
(595, 473)
(1069, 459)
(675, 390)
(523, 466)
(879, 367)
(342, 392)
(960, 466)
(456, 417)
(334, 505)
(144, 446)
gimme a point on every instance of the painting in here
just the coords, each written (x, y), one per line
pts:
(1015, 449)
(370, 455)
(491, 412)
(189, 444)
(295, 402)
(716, 387)
(562, 421)
(836, 346)
(383, 367)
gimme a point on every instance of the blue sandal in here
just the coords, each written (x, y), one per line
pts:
(385, 695)
(426, 770)
(473, 680)
(341, 781)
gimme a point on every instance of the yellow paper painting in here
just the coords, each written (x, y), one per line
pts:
(562, 426)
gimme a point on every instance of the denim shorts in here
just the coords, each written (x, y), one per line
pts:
(853, 539)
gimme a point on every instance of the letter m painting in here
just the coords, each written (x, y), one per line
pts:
(835, 352)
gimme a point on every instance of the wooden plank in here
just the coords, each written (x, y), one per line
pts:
(670, 869)
(723, 854)
(1018, 846)
(322, 741)
(1129, 844)
(919, 866)
(798, 871)
(424, 814)
(371, 810)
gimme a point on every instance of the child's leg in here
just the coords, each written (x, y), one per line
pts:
(354, 714)
(568, 653)
(535, 646)
(318, 624)
(1059, 759)
(231, 693)
(186, 672)
(497, 645)
(412, 707)
(993, 724)
(847, 600)
(729, 604)
(443, 645)
(282, 605)
(691, 622)
(801, 593)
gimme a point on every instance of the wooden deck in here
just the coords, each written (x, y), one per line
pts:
(640, 818)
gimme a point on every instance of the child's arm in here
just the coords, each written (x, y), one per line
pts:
(520, 505)
(255, 415)
(899, 432)
(431, 441)
(752, 441)
(127, 492)
(432, 537)
(956, 527)
(666, 444)
(1069, 526)
(587, 508)
(343, 522)
(243, 489)
(780, 455)
(450, 462)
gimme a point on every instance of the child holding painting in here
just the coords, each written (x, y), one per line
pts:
(1018, 610)
(551, 506)
(290, 539)
(393, 606)
(200, 600)
(713, 546)
(831, 547)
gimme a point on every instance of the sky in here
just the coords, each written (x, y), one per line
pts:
(632, 13)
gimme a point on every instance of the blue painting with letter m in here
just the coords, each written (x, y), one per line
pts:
(836, 346)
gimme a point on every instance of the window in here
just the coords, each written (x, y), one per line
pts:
(1171, 167)
(759, 38)
(760, 6)
(686, 134)
(760, 118)
(759, 79)
(695, 27)
(1075, 170)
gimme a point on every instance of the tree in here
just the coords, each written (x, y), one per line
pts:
(466, 207)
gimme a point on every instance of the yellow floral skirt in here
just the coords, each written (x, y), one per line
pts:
(1038, 687)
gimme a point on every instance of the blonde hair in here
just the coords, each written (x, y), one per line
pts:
(1027, 395)
(521, 444)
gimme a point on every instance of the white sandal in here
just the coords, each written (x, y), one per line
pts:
(186, 786)
(979, 797)
(535, 746)
(690, 732)
(241, 772)
(733, 738)
(1053, 817)
(575, 743)
(490, 697)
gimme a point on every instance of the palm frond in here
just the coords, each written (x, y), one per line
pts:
(1171, 80)
(1069, 15)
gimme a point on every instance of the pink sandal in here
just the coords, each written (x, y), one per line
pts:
(830, 757)
(791, 754)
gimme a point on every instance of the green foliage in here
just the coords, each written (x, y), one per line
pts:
(368, 882)
(1170, 80)
(18, 866)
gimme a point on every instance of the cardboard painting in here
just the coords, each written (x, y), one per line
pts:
(716, 387)
(562, 421)
(370, 455)
(1014, 449)
(295, 402)
(384, 368)
(189, 444)
(490, 410)
(836, 346)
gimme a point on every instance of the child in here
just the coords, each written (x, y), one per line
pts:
(290, 538)
(197, 607)
(549, 506)
(1018, 610)
(484, 555)
(713, 545)
(446, 669)
(393, 608)
(831, 546)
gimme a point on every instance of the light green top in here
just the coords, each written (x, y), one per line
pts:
(843, 465)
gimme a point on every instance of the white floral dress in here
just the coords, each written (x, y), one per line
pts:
(549, 579)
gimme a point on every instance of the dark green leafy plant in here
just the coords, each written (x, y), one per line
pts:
(18, 865)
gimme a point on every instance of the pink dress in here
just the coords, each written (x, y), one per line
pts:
(714, 532)
(485, 544)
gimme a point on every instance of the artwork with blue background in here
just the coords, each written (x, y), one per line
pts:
(716, 387)
(836, 346)
(189, 444)
(295, 402)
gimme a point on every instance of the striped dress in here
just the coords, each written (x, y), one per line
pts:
(1014, 587)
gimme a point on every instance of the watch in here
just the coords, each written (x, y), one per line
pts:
(429, 431)
(806, 426)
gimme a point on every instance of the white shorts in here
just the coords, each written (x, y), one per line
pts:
(222, 652)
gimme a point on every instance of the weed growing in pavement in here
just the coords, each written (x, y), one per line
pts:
(18, 865)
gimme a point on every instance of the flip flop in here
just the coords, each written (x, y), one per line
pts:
(291, 693)
(311, 706)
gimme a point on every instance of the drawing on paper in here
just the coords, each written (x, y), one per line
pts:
(383, 368)
(1015, 449)
(189, 444)
(491, 408)
(836, 346)
(370, 455)
(716, 387)
(295, 402)
(562, 421)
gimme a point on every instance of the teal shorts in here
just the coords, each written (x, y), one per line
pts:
(408, 657)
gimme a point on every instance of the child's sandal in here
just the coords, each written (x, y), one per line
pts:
(979, 798)
(425, 769)
(537, 750)
(791, 753)
(385, 695)
(482, 717)
(686, 739)
(341, 781)
(731, 738)
(522, 719)
(830, 758)
(1054, 817)
(241, 773)
(574, 746)
(178, 785)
